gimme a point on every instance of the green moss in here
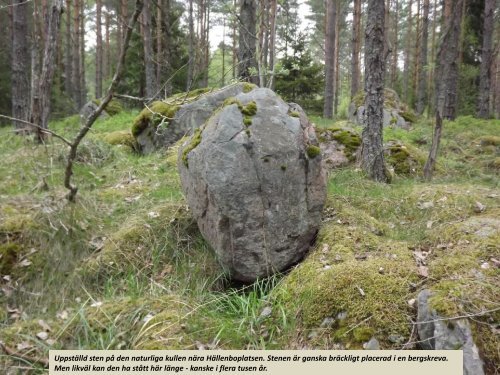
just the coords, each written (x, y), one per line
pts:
(247, 131)
(114, 107)
(123, 137)
(250, 109)
(247, 87)
(405, 159)
(283, 168)
(489, 140)
(233, 100)
(8, 257)
(363, 334)
(409, 116)
(294, 114)
(156, 113)
(312, 151)
(193, 143)
(247, 120)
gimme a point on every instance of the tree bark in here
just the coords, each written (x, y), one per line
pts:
(447, 71)
(106, 63)
(372, 152)
(331, 19)
(422, 82)
(41, 110)
(483, 106)
(272, 41)
(68, 72)
(76, 82)
(356, 46)
(192, 53)
(337, 59)
(20, 63)
(98, 50)
(149, 63)
(406, 68)
(247, 42)
(394, 66)
(416, 60)
(83, 86)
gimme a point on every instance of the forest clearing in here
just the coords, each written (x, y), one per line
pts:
(128, 187)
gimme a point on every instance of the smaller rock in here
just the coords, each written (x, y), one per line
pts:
(373, 344)
(396, 339)
(266, 313)
(479, 207)
(42, 335)
(327, 322)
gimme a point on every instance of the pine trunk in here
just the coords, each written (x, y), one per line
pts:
(191, 50)
(98, 50)
(40, 112)
(394, 66)
(76, 82)
(483, 107)
(247, 42)
(372, 152)
(356, 46)
(422, 83)
(149, 65)
(272, 41)
(331, 19)
(83, 86)
(406, 68)
(20, 63)
(68, 72)
(447, 71)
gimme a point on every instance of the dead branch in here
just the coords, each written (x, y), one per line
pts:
(91, 119)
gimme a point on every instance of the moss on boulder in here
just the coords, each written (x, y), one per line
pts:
(122, 138)
(154, 115)
(405, 159)
(114, 107)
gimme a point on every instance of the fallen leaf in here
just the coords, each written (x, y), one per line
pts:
(63, 315)
(96, 304)
(23, 345)
(50, 342)
(25, 263)
(423, 271)
(425, 205)
(44, 325)
(42, 335)
(429, 224)
(147, 318)
(411, 302)
(496, 262)
(326, 248)
(153, 214)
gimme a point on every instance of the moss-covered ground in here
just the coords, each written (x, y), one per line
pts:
(126, 267)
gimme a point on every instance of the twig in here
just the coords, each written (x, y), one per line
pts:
(43, 130)
(11, 352)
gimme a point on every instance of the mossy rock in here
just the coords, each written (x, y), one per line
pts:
(346, 137)
(9, 254)
(409, 116)
(122, 138)
(114, 107)
(391, 99)
(488, 140)
(194, 141)
(313, 151)
(405, 159)
(155, 114)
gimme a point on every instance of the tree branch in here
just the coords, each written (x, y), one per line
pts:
(43, 130)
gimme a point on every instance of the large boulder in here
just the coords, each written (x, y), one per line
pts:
(396, 114)
(162, 123)
(254, 181)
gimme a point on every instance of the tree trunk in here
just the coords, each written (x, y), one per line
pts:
(20, 63)
(422, 84)
(83, 86)
(98, 50)
(447, 71)
(260, 49)
(331, 19)
(483, 107)
(394, 65)
(191, 51)
(272, 41)
(159, 42)
(68, 73)
(372, 152)
(106, 64)
(430, 100)
(247, 42)
(356, 46)
(149, 63)
(337, 60)
(416, 60)
(40, 112)
(36, 57)
(406, 68)
(77, 92)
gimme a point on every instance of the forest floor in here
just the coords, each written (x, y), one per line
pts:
(125, 267)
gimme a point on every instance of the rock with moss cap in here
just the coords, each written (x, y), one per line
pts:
(162, 123)
(396, 114)
(255, 187)
(113, 108)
